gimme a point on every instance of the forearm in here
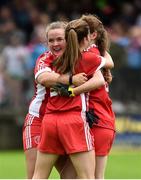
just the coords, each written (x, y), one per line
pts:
(95, 82)
(49, 79)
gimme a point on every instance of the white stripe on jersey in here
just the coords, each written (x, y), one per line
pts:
(36, 103)
(28, 131)
(53, 93)
(86, 126)
(103, 61)
(46, 69)
(28, 137)
(83, 100)
(91, 46)
(29, 120)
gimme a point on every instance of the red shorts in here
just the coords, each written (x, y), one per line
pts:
(31, 131)
(103, 140)
(65, 133)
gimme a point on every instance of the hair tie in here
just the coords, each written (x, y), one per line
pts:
(72, 29)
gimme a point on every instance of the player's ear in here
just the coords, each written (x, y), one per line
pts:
(94, 35)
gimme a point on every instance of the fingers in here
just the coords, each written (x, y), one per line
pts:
(108, 79)
(107, 75)
(84, 77)
(84, 74)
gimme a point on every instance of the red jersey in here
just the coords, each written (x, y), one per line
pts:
(38, 103)
(89, 63)
(100, 101)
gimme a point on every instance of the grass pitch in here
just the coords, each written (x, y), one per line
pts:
(122, 163)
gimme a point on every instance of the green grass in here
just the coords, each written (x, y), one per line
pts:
(12, 165)
(122, 164)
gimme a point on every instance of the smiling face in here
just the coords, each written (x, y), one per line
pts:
(56, 41)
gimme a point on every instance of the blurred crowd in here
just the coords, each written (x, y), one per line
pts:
(22, 40)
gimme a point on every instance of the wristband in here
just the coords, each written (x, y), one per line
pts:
(70, 80)
(70, 90)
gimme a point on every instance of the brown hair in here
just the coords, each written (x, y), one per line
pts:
(97, 26)
(75, 32)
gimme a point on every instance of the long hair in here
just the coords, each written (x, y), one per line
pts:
(75, 33)
(97, 26)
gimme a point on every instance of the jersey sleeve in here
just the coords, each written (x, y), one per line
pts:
(43, 64)
(90, 63)
(94, 49)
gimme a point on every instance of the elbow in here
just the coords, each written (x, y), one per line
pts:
(109, 61)
(111, 65)
(102, 82)
(42, 81)
(99, 83)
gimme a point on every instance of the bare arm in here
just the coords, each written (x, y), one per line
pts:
(109, 61)
(95, 82)
(49, 79)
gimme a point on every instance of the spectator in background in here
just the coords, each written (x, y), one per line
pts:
(118, 50)
(16, 57)
(134, 48)
(37, 44)
(7, 25)
(133, 69)
(2, 85)
(138, 22)
(128, 13)
(21, 14)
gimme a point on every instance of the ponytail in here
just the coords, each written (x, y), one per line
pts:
(75, 32)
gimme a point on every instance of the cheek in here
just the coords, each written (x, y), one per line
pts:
(49, 45)
(63, 45)
(60, 52)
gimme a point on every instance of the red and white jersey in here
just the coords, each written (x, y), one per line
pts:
(38, 103)
(93, 48)
(100, 101)
(43, 63)
(89, 63)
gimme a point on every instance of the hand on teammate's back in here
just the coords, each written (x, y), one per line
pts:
(79, 79)
(107, 75)
(91, 117)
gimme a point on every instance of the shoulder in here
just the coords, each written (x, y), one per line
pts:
(44, 56)
(93, 59)
(43, 62)
(88, 55)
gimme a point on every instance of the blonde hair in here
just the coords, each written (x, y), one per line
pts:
(55, 25)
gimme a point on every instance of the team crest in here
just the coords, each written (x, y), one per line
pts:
(37, 139)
